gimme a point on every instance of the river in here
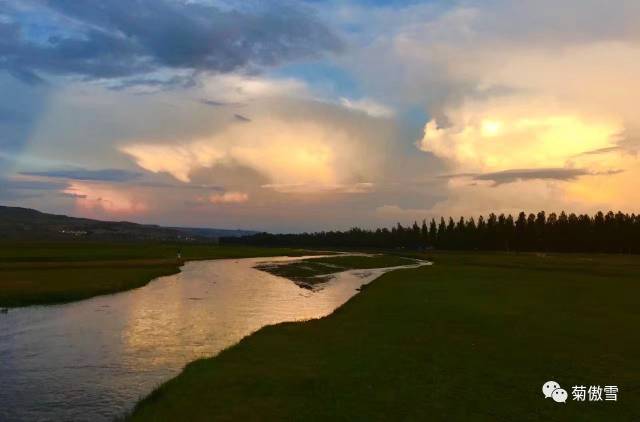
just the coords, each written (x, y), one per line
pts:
(92, 360)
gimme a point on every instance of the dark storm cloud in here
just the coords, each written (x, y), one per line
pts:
(26, 76)
(31, 185)
(216, 103)
(116, 38)
(602, 151)
(562, 174)
(213, 103)
(456, 175)
(11, 190)
(626, 145)
(107, 175)
(515, 175)
(96, 55)
(241, 118)
(509, 176)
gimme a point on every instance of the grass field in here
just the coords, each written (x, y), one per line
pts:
(37, 273)
(472, 337)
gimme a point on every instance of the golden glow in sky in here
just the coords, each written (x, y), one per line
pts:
(507, 141)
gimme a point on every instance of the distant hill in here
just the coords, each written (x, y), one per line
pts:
(28, 224)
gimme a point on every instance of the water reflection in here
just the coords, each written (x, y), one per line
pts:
(92, 360)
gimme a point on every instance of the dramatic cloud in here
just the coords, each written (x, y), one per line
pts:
(288, 145)
(275, 149)
(515, 88)
(112, 175)
(507, 133)
(102, 199)
(118, 38)
(237, 114)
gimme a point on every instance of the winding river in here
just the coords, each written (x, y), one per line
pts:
(92, 360)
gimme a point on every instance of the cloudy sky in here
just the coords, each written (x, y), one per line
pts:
(306, 115)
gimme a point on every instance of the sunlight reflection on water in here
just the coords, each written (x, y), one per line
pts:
(92, 360)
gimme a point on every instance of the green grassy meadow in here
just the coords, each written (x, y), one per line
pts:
(473, 337)
(38, 273)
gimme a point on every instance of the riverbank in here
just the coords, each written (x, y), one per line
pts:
(313, 272)
(42, 273)
(94, 359)
(472, 337)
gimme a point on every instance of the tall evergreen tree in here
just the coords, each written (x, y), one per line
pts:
(611, 232)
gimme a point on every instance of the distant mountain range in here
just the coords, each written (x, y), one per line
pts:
(29, 224)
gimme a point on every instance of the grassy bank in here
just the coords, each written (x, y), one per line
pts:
(35, 273)
(473, 337)
(311, 272)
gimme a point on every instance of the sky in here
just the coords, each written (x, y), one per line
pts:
(290, 116)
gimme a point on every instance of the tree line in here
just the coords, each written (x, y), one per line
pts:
(610, 233)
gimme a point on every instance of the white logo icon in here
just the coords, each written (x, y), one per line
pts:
(559, 395)
(548, 387)
(552, 389)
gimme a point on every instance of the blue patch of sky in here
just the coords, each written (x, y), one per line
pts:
(39, 25)
(327, 78)
(415, 116)
(412, 121)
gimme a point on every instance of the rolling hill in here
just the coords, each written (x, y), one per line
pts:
(28, 224)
